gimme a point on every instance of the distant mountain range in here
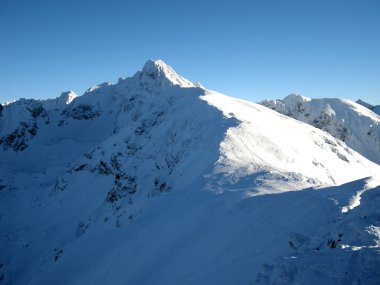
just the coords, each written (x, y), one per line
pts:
(347, 121)
(158, 180)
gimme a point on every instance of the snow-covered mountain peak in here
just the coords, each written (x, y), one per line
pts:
(160, 73)
(348, 121)
(61, 101)
(296, 98)
(289, 105)
(154, 65)
(156, 164)
(67, 96)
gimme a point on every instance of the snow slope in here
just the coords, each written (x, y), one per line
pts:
(348, 121)
(158, 180)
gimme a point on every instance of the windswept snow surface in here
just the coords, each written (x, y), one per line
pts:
(348, 121)
(265, 140)
(157, 180)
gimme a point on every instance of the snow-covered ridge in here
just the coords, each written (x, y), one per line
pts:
(16, 123)
(157, 93)
(348, 121)
(160, 71)
(60, 102)
(155, 180)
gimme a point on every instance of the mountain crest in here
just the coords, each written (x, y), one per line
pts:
(159, 72)
(199, 180)
(343, 119)
(296, 98)
(67, 96)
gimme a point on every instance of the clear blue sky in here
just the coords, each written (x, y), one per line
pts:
(248, 49)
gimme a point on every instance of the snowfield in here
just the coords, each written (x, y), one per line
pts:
(158, 180)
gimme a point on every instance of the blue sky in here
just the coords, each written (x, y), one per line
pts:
(248, 49)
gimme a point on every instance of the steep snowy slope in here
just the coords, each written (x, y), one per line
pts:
(348, 121)
(156, 180)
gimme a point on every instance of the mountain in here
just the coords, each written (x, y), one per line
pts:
(64, 99)
(347, 121)
(375, 109)
(158, 180)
